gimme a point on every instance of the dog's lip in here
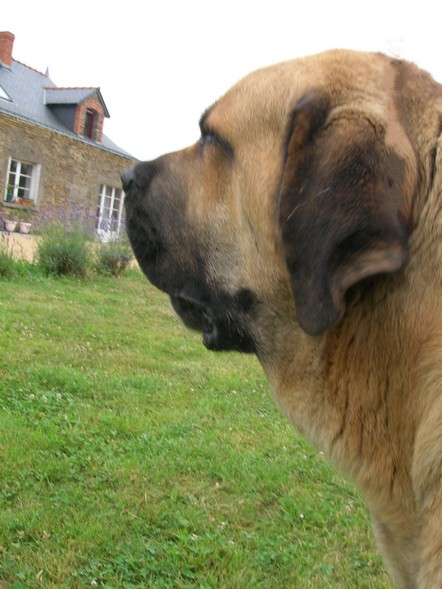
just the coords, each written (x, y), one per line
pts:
(222, 321)
(197, 314)
(191, 299)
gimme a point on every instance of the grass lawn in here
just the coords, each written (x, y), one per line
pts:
(132, 457)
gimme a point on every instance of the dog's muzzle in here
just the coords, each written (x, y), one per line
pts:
(172, 254)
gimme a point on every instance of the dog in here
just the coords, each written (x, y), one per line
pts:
(305, 226)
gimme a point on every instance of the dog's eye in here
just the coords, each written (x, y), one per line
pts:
(209, 137)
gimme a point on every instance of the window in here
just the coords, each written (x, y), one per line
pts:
(4, 94)
(110, 221)
(89, 124)
(22, 182)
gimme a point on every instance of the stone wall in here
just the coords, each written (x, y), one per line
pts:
(20, 247)
(71, 170)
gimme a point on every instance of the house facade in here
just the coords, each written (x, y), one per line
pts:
(53, 152)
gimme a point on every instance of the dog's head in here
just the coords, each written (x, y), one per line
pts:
(299, 188)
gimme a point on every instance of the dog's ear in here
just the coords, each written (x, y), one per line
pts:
(339, 209)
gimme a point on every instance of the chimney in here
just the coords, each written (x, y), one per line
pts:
(6, 45)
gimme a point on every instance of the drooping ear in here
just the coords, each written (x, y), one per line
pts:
(339, 209)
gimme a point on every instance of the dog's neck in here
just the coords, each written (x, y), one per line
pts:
(350, 391)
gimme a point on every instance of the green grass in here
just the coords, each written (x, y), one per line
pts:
(132, 457)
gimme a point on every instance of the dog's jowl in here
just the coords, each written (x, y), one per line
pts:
(305, 226)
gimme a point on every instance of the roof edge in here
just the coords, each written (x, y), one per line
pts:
(31, 68)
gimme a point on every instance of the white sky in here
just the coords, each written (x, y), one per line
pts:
(160, 63)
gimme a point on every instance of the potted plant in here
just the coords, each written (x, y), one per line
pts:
(24, 227)
(10, 193)
(10, 225)
(25, 202)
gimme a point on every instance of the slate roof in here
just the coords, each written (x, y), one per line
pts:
(30, 91)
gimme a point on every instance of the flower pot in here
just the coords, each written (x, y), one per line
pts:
(24, 227)
(10, 225)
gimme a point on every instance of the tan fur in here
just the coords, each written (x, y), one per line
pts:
(368, 390)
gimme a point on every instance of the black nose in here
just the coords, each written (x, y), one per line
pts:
(127, 178)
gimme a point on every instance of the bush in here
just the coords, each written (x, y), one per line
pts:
(7, 265)
(63, 249)
(113, 257)
(12, 268)
(64, 252)
(67, 247)
(7, 262)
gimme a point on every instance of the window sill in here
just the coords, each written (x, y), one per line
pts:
(20, 207)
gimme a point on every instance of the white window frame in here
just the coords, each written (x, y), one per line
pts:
(110, 232)
(35, 180)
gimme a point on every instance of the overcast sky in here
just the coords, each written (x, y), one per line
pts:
(160, 63)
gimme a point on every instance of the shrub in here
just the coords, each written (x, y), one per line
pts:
(113, 257)
(7, 262)
(63, 252)
(65, 234)
(7, 265)
(74, 217)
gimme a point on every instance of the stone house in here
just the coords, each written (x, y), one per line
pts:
(53, 152)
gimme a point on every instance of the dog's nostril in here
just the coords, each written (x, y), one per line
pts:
(127, 178)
